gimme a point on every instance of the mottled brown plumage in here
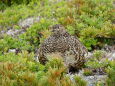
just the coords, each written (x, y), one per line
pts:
(61, 41)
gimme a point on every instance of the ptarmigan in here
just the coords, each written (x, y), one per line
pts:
(61, 41)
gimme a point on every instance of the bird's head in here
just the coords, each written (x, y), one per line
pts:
(58, 29)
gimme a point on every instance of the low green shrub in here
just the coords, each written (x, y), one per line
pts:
(88, 20)
(96, 61)
(111, 74)
(87, 72)
(21, 69)
(79, 81)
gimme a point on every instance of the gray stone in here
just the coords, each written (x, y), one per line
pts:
(111, 56)
(12, 50)
(91, 80)
(108, 48)
(106, 55)
(14, 32)
(28, 22)
(2, 32)
(11, 32)
(89, 55)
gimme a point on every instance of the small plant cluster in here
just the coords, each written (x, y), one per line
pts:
(93, 19)
(111, 74)
(110, 81)
(97, 64)
(98, 60)
(6, 3)
(31, 39)
(22, 70)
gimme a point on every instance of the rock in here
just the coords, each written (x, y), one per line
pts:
(23, 24)
(14, 32)
(89, 55)
(108, 48)
(28, 22)
(2, 32)
(12, 50)
(11, 32)
(111, 56)
(16, 51)
(91, 80)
